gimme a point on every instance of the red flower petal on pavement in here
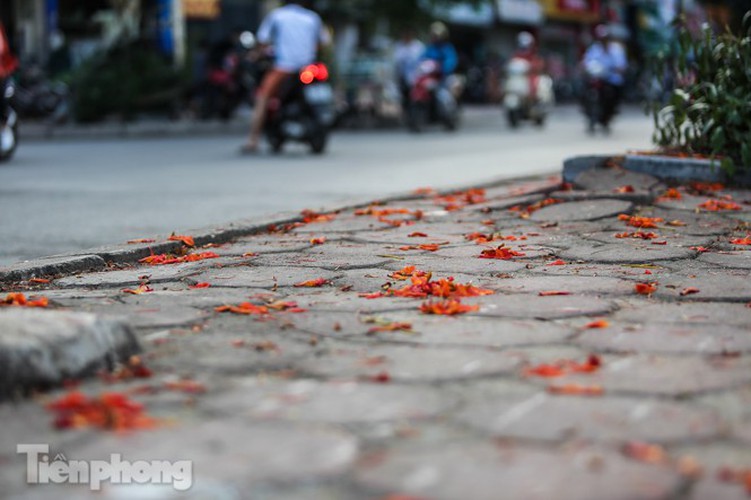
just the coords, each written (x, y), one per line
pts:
(417, 234)
(741, 241)
(558, 262)
(39, 281)
(17, 299)
(140, 240)
(449, 307)
(624, 189)
(600, 323)
(143, 288)
(318, 241)
(645, 452)
(576, 389)
(501, 253)
(719, 205)
(699, 249)
(108, 411)
(689, 291)
(187, 240)
(200, 285)
(244, 308)
(645, 288)
(552, 293)
(312, 283)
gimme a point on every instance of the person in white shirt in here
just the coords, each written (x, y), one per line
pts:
(407, 54)
(295, 33)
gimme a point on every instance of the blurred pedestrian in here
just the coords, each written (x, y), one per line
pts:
(407, 54)
(296, 33)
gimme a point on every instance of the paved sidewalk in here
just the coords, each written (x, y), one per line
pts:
(601, 351)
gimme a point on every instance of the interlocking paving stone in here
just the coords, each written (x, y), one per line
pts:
(536, 307)
(687, 312)
(330, 402)
(734, 260)
(668, 338)
(582, 285)
(632, 252)
(435, 330)
(581, 210)
(409, 363)
(327, 402)
(601, 419)
(257, 276)
(662, 375)
(485, 470)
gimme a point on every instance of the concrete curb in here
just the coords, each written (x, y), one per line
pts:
(125, 254)
(665, 168)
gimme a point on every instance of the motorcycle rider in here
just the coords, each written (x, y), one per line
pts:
(441, 50)
(526, 48)
(8, 64)
(611, 56)
(295, 33)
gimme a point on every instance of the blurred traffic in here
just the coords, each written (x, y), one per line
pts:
(375, 64)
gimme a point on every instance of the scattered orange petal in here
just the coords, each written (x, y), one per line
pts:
(502, 253)
(551, 293)
(318, 241)
(719, 205)
(140, 240)
(39, 281)
(17, 299)
(670, 194)
(689, 291)
(143, 288)
(417, 234)
(600, 323)
(392, 327)
(637, 235)
(200, 285)
(187, 240)
(642, 222)
(558, 262)
(312, 283)
(645, 288)
(624, 189)
(645, 452)
(576, 389)
(449, 307)
(108, 411)
(742, 241)
(699, 249)
(165, 259)
(309, 216)
(244, 308)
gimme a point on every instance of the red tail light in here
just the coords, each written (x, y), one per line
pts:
(314, 72)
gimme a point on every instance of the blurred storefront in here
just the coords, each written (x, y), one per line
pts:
(172, 27)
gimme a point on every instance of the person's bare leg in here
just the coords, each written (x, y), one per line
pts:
(256, 123)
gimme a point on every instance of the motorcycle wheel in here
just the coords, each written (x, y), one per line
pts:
(513, 118)
(9, 137)
(276, 142)
(318, 141)
(417, 117)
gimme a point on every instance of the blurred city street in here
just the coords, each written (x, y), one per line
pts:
(64, 195)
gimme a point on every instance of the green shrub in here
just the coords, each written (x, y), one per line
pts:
(709, 110)
(125, 80)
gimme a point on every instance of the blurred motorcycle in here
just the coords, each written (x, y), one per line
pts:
(431, 100)
(519, 101)
(303, 111)
(35, 96)
(8, 123)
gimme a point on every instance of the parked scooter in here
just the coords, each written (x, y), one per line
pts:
(520, 103)
(36, 97)
(304, 110)
(432, 100)
(8, 122)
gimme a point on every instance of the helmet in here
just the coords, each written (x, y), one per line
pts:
(525, 40)
(602, 31)
(439, 30)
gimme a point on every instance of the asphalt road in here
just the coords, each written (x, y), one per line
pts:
(65, 195)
